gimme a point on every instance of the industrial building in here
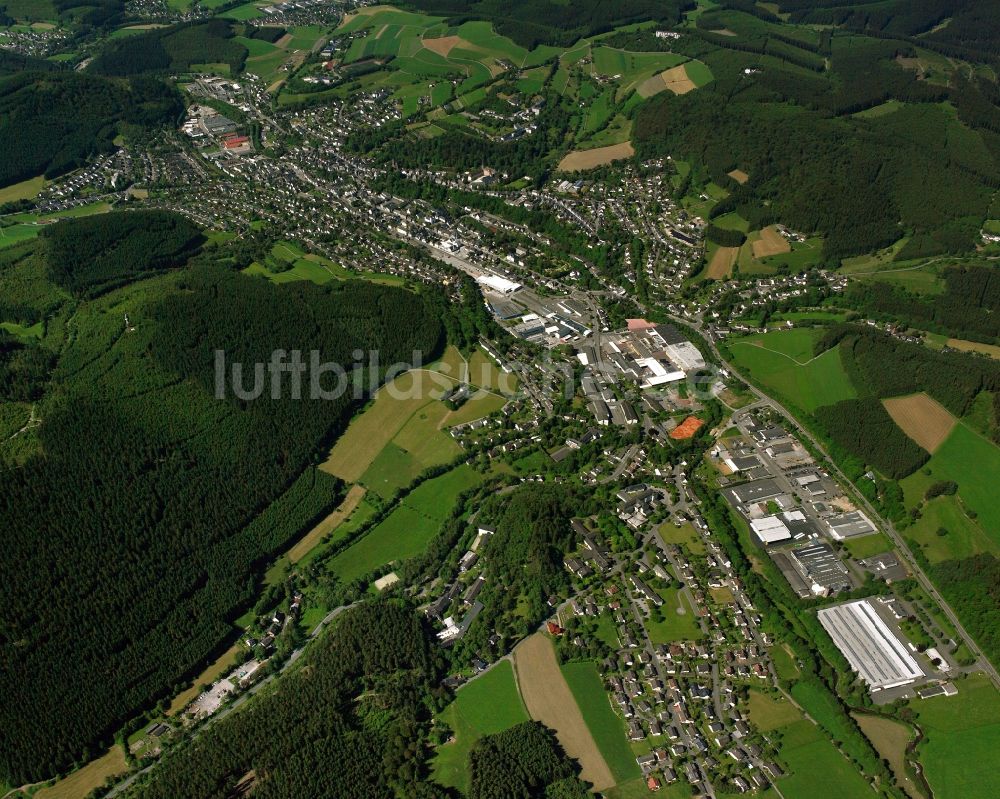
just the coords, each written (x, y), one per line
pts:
(823, 571)
(870, 646)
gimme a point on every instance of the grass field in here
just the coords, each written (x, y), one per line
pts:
(962, 734)
(782, 361)
(768, 712)
(685, 534)
(604, 724)
(972, 462)
(22, 227)
(409, 528)
(82, 781)
(867, 545)
(550, 701)
(807, 753)
(328, 525)
(890, 738)
(368, 434)
(784, 662)
(25, 190)
(488, 704)
(678, 624)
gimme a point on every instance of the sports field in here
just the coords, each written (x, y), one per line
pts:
(922, 418)
(486, 705)
(408, 529)
(605, 725)
(782, 362)
(962, 737)
(550, 701)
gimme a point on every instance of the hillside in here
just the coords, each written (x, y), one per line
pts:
(128, 543)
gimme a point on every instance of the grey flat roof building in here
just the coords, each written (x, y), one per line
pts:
(872, 649)
(757, 491)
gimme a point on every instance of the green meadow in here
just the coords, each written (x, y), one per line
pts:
(782, 362)
(488, 704)
(604, 724)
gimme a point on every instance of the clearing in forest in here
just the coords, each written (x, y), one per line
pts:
(677, 80)
(550, 701)
(739, 176)
(922, 419)
(771, 242)
(599, 156)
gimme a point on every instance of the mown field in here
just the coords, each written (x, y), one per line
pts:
(408, 529)
(782, 361)
(808, 753)
(488, 704)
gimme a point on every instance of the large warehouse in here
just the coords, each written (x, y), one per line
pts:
(871, 648)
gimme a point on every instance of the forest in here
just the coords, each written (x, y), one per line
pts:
(533, 536)
(524, 761)
(362, 699)
(149, 487)
(966, 309)
(173, 49)
(864, 428)
(52, 122)
(90, 255)
(859, 182)
(972, 588)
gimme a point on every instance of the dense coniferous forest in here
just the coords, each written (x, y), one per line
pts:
(94, 254)
(51, 122)
(351, 721)
(147, 486)
(864, 428)
(966, 309)
(524, 761)
(173, 49)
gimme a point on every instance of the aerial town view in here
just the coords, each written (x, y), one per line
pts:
(499, 399)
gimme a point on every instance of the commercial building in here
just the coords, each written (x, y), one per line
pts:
(870, 646)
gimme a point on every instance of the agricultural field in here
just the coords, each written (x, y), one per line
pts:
(720, 261)
(25, 190)
(84, 780)
(486, 705)
(550, 701)
(961, 733)
(23, 227)
(604, 724)
(771, 242)
(408, 529)
(890, 739)
(974, 346)
(807, 752)
(212, 672)
(971, 461)
(922, 418)
(580, 160)
(782, 362)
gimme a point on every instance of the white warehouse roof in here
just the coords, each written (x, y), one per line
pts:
(499, 284)
(770, 529)
(871, 648)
